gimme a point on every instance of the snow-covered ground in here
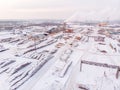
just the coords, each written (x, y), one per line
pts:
(52, 62)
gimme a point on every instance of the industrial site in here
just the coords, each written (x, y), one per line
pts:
(57, 55)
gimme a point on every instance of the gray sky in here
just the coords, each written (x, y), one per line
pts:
(57, 9)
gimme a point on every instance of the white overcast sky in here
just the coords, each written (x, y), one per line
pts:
(55, 9)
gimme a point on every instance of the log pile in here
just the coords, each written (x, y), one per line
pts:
(20, 72)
